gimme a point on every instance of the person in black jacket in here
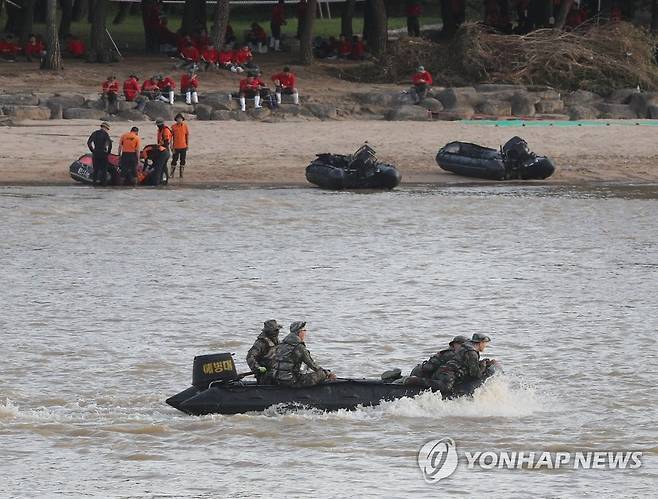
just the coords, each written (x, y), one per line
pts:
(100, 145)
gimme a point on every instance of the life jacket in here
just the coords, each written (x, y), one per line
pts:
(287, 359)
(165, 139)
(266, 355)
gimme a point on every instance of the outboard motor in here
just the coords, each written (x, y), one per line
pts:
(212, 367)
(516, 151)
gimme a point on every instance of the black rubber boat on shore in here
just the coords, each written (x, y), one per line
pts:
(360, 170)
(82, 170)
(224, 394)
(513, 161)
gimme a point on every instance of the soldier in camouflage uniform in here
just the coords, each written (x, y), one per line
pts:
(260, 356)
(428, 368)
(291, 354)
(466, 364)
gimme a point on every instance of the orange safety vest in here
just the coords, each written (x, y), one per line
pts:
(130, 142)
(164, 136)
(181, 135)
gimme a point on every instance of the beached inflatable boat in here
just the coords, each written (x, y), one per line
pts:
(360, 170)
(513, 161)
(82, 170)
(228, 395)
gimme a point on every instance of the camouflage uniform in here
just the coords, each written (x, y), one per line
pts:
(261, 354)
(288, 360)
(429, 367)
(436, 371)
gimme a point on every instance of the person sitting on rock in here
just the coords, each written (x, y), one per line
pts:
(265, 93)
(210, 57)
(110, 94)
(344, 47)
(284, 83)
(9, 48)
(75, 47)
(226, 60)
(131, 88)
(150, 88)
(167, 87)
(243, 58)
(422, 82)
(358, 48)
(34, 49)
(189, 85)
(190, 55)
(257, 37)
(249, 89)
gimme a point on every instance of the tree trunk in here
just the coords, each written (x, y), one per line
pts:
(377, 27)
(220, 22)
(99, 48)
(346, 19)
(122, 13)
(67, 16)
(194, 16)
(654, 15)
(562, 14)
(306, 41)
(27, 19)
(80, 9)
(40, 12)
(53, 59)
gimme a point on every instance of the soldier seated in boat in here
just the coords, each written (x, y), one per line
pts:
(471, 365)
(260, 356)
(291, 354)
(428, 369)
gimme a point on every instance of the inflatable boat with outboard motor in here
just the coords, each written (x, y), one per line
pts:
(82, 170)
(513, 161)
(360, 170)
(218, 389)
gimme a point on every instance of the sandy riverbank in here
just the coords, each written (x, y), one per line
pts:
(228, 153)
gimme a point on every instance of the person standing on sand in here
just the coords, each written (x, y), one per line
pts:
(100, 145)
(278, 20)
(129, 147)
(181, 140)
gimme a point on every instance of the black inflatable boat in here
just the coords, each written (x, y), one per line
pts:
(360, 170)
(226, 394)
(82, 170)
(513, 161)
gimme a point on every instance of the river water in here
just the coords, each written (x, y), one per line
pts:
(107, 295)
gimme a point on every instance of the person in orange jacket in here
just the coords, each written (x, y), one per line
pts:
(164, 141)
(181, 141)
(129, 147)
(189, 85)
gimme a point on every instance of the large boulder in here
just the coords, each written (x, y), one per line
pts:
(616, 111)
(288, 109)
(219, 100)
(498, 87)
(544, 92)
(83, 113)
(640, 103)
(456, 114)
(56, 110)
(221, 115)
(408, 113)
(549, 106)
(158, 109)
(495, 107)
(239, 116)
(182, 107)
(126, 105)
(20, 113)
(18, 100)
(66, 101)
(523, 104)
(652, 112)
(577, 113)
(431, 104)
(321, 111)
(582, 98)
(96, 103)
(203, 112)
(131, 115)
(259, 114)
(622, 95)
(459, 97)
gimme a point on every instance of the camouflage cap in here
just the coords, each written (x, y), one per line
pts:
(478, 337)
(459, 339)
(159, 121)
(295, 327)
(271, 326)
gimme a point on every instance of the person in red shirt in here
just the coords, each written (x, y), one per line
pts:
(150, 88)
(301, 13)
(422, 82)
(285, 83)
(75, 46)
(131, 88)
(358, 48)
(110, 94)
(226, 60)
(250, 89)
(257, 37)
(9, 48)
(414, 10)
(190, 55)
(201, 41)
(34, 48)
(344, 47)
(166, 86)
(278, 20)
(243, 58)
(189, 85)
(210, 56)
